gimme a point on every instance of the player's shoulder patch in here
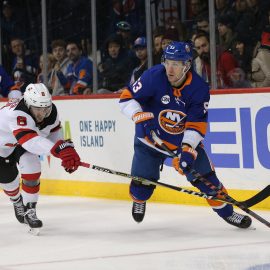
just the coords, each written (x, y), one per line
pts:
(21, 121)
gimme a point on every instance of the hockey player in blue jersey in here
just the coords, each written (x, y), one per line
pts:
(172, 100)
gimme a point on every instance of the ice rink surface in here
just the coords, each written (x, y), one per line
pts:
(84, 234)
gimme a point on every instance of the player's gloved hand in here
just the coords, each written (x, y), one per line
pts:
(146, 119)
(185, 163)
(66, 152)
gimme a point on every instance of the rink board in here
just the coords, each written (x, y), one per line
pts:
(237, 142)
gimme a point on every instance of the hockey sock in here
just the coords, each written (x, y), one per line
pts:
(13, 194)
(221, 208)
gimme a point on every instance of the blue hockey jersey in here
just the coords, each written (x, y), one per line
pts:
(79, 76)
(5, 82)
(175, 109)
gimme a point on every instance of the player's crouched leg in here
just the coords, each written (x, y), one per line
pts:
(139, 193)
(224, 210)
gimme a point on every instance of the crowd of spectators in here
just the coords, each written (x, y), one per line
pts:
(242, 35)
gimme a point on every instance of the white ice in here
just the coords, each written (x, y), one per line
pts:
(94, 234)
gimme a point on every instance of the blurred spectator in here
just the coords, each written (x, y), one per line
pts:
(243, 53)
(124, 29)
(192, 37)
(225, 62)
(257, 8)
(226, 34)
(203, 23)
(201, 63)
(62, 62)
(87, 49)
(181, 29)
(267, 19)
(11, 23)
(195, 33)
(116, 69)
(158, 34)
(24, 65)
(131, 11)
(238, 78)
(50, 64)
(260, 66)
(140, 48)
(240, 6)
(170, 35)
(79, 77)
(223, 8)
(244, 20)
(196, 8)
(7, 86)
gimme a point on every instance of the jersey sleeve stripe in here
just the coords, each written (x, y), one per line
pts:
(201, 127)
(23, 135)
(55, 128)
(126, 95)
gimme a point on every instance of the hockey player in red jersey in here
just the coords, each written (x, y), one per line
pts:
(172, 100)
(30, 127)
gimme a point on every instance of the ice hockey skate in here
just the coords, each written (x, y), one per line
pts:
(31, 219)
(138, 211)
(19, 209)
(239, 220)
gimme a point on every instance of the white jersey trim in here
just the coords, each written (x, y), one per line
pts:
(130, 107)
(192, 137)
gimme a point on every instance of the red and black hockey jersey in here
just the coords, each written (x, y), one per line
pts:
(17, 126)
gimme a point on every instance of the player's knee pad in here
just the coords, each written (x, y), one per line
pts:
(31, 179)
(30, 183)
(33, 183)
(140, 191)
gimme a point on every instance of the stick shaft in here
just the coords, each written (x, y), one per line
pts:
(141, 179)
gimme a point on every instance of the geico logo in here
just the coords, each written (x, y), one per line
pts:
(172, 121)
(248, 138)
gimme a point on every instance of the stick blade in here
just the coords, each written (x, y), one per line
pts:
(260, 196)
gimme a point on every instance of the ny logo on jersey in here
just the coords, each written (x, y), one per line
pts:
(172, 121)
(21, 121)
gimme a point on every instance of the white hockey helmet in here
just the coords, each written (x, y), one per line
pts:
(37, 95)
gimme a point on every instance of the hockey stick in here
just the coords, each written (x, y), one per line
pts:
(226, 197)
(260, 196)
(144, 180)
(161, 184)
